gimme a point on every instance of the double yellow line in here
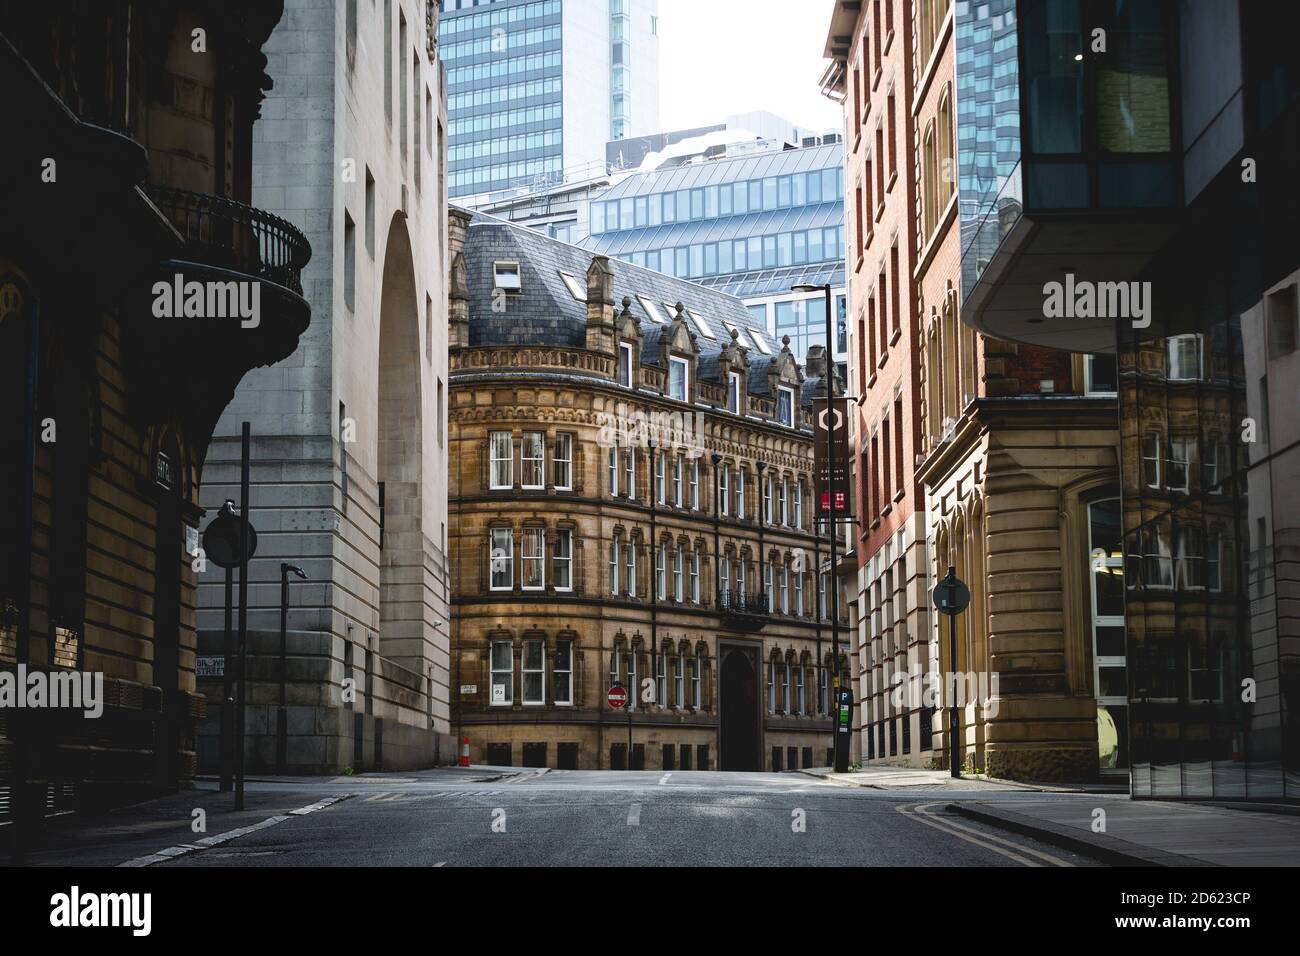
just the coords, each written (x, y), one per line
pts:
(922, 813)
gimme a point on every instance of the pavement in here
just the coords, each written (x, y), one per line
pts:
(497, 816)
(1151, 832)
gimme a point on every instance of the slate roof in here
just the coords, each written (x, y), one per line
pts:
(546, 313)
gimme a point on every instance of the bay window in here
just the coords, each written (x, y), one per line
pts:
(533, 577)
(502, 559)
(502, 460)
(562, 676)
(532, 461)
(534, 672)
(562, 560)
(563, 463)
(502, 672)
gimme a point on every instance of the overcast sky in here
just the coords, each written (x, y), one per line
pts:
(718, 57)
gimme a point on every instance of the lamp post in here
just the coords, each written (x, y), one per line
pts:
(281, 716)
(841, 751)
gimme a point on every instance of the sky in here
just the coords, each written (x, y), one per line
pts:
(718, 57)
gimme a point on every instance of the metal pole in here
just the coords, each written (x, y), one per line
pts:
(281, 722)
(228, 691)
(243, 620)
(953, 741)
(27, 806)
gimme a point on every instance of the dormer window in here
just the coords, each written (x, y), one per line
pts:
(679, 371)
(625, 364)
(505, 276)
(785, 406)
(575, 287)
(733, 392)
(700, 325)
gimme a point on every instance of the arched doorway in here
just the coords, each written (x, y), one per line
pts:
(738, 707)
(400, 448)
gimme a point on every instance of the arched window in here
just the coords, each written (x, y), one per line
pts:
(947, 171)
(930, 199)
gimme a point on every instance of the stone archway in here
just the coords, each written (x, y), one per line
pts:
(400, 450)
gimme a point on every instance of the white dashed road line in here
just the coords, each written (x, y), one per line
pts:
(171, 852)
(634, 815)
(664, 779)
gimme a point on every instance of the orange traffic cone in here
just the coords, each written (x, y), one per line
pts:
(464, 752)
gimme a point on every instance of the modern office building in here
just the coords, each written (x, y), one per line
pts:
(1153, 190)
(535, 88)
(631, 502)
(126, 176)
(751, 226)
(349, 453)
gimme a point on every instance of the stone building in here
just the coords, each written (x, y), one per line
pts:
(994, 458)
(630, 503)
(348, 441)
(125, 178)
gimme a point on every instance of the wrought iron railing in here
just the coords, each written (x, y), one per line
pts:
(738, 602)
(229, 234)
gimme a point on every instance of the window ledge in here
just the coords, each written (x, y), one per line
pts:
(887, 509)
(871, 234)
(880, 210)
(898, 334)
(900, 493)
(884, 357)
(871, 381)
(893, 177)
(875, 79)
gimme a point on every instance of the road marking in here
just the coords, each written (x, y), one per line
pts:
(171, 852)
(436, 865)
(1047, 857)
(997, 844)
(664, 779)
(634, 815)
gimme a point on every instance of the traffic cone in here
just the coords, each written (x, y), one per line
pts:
(464, 751)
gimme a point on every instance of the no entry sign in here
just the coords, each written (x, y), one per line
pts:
(617, 696)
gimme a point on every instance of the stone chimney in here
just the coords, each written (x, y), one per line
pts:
(814, 365)
(600, 306)
(457, 280)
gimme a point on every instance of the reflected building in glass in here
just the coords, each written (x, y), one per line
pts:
(1148, 216)
(750, 225)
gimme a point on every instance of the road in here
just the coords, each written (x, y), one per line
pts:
(597, 818)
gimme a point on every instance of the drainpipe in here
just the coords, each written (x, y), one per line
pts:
(762, 503)
(654, 589)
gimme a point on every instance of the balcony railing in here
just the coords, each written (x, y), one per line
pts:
(231, 235)
(740, 604)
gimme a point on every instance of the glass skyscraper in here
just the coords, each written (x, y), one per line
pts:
(535, 88)
(751, 226)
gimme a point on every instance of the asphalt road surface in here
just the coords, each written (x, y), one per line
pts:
(599, 818)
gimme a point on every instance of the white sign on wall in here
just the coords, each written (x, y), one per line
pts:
(498, 693)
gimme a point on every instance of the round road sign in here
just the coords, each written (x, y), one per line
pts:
(221, 538)
(951, 596)
(617, 696)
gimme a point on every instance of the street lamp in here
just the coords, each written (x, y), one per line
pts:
(841, 752)
(281, 717)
